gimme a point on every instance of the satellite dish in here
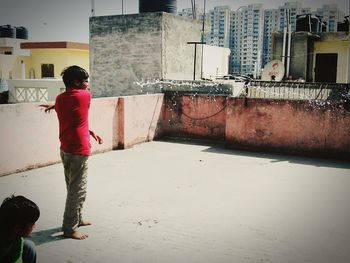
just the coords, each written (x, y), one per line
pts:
(274, 70)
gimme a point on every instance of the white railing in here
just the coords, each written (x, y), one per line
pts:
(34, 90)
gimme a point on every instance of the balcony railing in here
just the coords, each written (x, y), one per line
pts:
(34, 90)
(298, 90)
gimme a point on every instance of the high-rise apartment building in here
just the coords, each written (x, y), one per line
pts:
(294, 8)
(246, 39)
(236, 39)
(252, 39)
(271, 25)
(188, 12)
(219, 34)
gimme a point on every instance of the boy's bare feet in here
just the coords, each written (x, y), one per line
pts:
(84, 223)
(76, 235)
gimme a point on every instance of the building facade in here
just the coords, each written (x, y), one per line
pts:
(270, 26)
(219, 26)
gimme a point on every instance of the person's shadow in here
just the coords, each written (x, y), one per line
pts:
(46, 236)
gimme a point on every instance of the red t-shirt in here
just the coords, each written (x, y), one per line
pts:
(72, 109)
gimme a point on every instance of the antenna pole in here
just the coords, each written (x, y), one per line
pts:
(192, 9)
(202, 40)
(284, 39)
(92, 7)
(289, 43)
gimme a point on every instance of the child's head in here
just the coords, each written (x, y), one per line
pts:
(18, 214)
(74, 76)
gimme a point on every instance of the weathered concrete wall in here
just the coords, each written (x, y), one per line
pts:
(29, 137)
(195, 116)
(126, 49)
(139, 118)
(178, 56)
(299, 58)
(298, 127)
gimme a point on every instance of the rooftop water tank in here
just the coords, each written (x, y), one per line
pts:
(168, 6)
(308, 23)
(343, 26)
(7, 31)
(21, 32)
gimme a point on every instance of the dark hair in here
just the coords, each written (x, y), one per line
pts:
(73, 74)
(17, 210)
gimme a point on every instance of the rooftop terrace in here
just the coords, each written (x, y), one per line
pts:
(192, 201)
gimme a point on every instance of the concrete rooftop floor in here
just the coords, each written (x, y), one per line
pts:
(169, 201)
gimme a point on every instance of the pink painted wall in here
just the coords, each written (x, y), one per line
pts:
(138, 119)
(29, 137)
(301, 127)
(195, 116)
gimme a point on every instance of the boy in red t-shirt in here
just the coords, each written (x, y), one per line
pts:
(72, 108)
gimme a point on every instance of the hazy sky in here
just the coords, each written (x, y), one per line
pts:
(68, 20)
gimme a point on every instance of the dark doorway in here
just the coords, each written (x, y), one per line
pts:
(326, 67)
(47, 71)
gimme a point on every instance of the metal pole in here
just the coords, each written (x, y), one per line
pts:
(192, 9)
(203, 22)
(289, 43)
(349, 55)
(284, 40)
(122, 7)
(92, 8)
(195, 56)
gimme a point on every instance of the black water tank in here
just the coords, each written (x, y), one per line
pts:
(343, 26)
(21, 32)
(305, 21)
(168, 6)
(7, 31)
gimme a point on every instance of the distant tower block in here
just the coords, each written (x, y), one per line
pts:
(168, 6)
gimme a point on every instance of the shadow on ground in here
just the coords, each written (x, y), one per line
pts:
(46, 236)
(218, 147)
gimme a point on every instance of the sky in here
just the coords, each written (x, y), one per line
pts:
(68, 20)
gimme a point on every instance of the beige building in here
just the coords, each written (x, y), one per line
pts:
(31, 70)
(317, 57)
(20, 59)
(330, 57)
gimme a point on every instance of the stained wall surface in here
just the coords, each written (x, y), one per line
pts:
(126, 49)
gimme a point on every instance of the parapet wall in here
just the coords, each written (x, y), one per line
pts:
(314, 128)
(29, 137)
(294, 127)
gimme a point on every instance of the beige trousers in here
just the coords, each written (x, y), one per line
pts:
(75, 172)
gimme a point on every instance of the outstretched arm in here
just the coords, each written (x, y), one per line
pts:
(96, 137)
(47, 107)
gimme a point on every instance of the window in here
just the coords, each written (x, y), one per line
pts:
(47, 71)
